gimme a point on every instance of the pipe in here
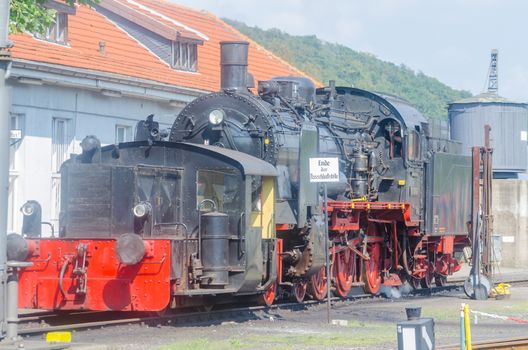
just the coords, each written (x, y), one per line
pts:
(233, 65)
(5, 61)
(12, 305)
(4, 24)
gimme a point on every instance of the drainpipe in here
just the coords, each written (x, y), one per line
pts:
(5, 62)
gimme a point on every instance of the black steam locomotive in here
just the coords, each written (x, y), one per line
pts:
(226, 208)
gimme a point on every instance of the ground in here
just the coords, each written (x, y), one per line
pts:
(370, 325)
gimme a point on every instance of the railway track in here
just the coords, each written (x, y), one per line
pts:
(44, 322)
(35, 324)
(496, 344)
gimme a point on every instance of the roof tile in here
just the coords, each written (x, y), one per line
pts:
(124, 55)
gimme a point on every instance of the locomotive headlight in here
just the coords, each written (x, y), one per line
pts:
(216, 116)
(142, 209)
(28, 208)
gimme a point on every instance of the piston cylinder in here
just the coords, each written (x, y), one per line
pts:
(215, 249)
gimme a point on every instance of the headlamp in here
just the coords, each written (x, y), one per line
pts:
(28, 209)
(142, 209)
(216, 116)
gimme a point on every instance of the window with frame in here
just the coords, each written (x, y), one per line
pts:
(122, 133)
(185, 55)
(223, 188)
(60, 140)
(58, 31)
(16, 123)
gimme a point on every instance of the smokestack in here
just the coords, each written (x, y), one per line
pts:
(233, 65)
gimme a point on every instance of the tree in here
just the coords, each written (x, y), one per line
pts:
(33, 15)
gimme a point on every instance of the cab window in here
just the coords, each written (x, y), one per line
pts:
(413, 146)
(221, 187)
(393, 137)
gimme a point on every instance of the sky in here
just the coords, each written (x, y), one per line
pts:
(446, 39)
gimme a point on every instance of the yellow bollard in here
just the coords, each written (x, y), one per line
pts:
(467, 327)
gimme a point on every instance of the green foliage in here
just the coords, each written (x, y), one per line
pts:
(325, 61)
(32, 16)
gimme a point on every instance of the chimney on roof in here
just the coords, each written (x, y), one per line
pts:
(233, 65)
(102, 48)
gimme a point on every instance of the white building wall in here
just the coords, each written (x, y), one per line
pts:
(87, 113)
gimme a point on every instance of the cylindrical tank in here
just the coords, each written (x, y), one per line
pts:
(215, 249)
(233, 65)
(509, 130)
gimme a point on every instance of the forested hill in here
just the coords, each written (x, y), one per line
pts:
(325, 61)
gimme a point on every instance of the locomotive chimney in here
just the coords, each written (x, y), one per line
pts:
(233, 65)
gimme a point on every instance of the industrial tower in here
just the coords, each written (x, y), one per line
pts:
(493, 73)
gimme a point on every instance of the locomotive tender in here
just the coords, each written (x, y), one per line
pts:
(225, 208)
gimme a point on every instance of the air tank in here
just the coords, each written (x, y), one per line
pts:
(215, 249)
(509, 130)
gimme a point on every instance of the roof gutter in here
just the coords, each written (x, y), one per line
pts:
(51, 74)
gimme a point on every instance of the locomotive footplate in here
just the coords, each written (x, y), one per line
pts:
(345, 215)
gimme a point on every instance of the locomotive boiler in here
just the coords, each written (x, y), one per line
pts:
(225, 208)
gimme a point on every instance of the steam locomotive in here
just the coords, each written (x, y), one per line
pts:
(225, 208)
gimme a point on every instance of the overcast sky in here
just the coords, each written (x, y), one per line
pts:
(446, 39)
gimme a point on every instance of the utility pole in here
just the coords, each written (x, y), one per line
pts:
(5, 62)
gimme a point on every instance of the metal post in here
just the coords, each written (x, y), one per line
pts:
(462, 329)
(5, 61)
(327, 249)
(12, 306)
(487, 179)
(475, 222)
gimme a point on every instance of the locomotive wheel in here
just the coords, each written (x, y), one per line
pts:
(414, 282)
(317, 285)
(299, 291)
(371, 269)
(427, 281)
(440, 280)
(344, 266)
(268, 296)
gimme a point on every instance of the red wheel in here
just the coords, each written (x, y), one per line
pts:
(317, 285)
(371, 269)
(299, 291)
(344, 268)
(440, 280)
(268, 296)
(427, 281)
(414, 282)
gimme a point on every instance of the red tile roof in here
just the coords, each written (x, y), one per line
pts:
(124, 55)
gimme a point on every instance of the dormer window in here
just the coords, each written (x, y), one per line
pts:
(58, 31)
(184, 55)
(172, 41)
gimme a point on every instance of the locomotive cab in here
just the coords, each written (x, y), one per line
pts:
(195, 220)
